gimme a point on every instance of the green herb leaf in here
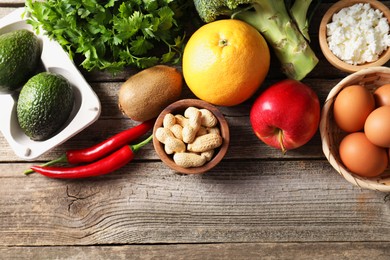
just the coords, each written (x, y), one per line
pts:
(113, 34)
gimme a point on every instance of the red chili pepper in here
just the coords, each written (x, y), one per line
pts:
(112, 162)
(100, 150)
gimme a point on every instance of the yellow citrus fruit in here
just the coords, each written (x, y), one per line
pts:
(225, 62)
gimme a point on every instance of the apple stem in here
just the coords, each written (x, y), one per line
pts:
(280, 138)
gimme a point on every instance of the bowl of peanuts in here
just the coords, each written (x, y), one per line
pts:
(191, 136)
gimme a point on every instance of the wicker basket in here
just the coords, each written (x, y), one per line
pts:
(331, 135)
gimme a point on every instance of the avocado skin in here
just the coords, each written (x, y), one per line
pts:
(44, 105)
(20, 53)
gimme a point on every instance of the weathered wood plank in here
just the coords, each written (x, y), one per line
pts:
(238, 201)
(255, 204)
(12, 3)
(244, 144)
(237, 116)
(108, 95)
(303, 251)
(322, 70)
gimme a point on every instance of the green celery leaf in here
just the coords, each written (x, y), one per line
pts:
(167, 57)
(140, 46)
(151, 5)
(112, 34)
(166, 18)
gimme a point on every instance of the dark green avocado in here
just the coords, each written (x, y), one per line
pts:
(20, 54)
(44, 105)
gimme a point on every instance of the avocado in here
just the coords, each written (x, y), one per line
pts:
(44, 105)
(20, 54)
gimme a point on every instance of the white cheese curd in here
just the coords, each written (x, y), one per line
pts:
(358, 34)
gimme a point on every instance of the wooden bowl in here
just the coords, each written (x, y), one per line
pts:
(331, 134)
(179, 107)
(333, 59)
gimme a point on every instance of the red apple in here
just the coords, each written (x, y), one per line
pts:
(286, 115)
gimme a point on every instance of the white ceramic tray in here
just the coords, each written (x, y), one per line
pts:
(86, 108)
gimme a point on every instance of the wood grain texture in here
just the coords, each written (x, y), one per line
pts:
(244, 144)
(256, 204)
(238, 201)
(247, 251)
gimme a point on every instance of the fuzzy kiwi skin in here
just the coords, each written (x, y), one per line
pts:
(145, 94)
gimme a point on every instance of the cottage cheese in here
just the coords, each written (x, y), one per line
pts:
(358, 34)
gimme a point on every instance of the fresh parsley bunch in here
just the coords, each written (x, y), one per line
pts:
(113, 34)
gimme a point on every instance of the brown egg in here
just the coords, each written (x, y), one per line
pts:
(382, 95)
(377, 126)
(352, 106)
(362, 157)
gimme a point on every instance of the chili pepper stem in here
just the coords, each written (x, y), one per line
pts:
(61, 159)
(64, 158)
(138, 146)
(108, 164)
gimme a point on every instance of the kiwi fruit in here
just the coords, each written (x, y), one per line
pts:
(145, 94)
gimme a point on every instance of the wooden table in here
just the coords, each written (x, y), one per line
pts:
(256, 204)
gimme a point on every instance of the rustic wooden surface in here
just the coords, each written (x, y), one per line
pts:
(256, 204)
